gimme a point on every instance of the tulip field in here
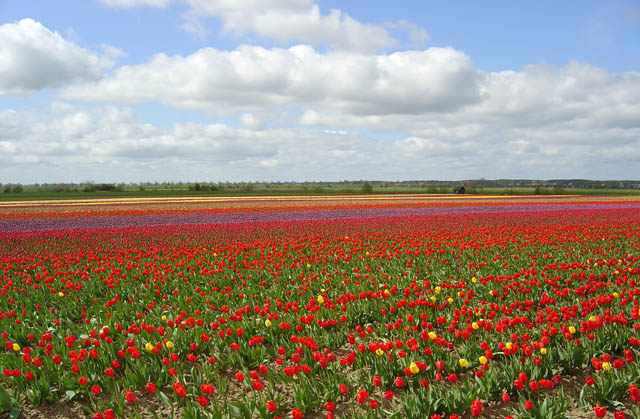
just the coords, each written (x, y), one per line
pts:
(376, 306)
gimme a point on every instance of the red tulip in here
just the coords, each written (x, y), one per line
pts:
(151, 388)
(271, 406)
(599, 411)
(130, 396)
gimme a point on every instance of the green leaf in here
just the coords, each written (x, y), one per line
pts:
(235, 411)
(5, 399)
(15, 413)
(70, 394)
(581, 399)
(164, 398)
(68, 383)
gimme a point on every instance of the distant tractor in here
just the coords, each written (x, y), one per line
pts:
(459, 191)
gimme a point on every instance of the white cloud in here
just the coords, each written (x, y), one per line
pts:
(450, 119)
(286, 21)
(107, 143)
(250, 121)
(410, 82)
(33, 57)
(441, 117)
(112, 52)
(417, 35)
(293, 21)
(435, 93)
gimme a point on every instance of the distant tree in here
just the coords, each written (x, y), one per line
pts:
(104, 187)
(367, 188)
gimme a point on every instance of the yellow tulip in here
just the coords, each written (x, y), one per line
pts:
(572, 330)
(606, 366)
(463, 362)
(16, 347)
(169, 344)
(483, 360)
(475, 325)
(414, 368)
(379, 352)
(148, 347)
(267, 323)
(320, 299)
(432, 335)
(543, 351)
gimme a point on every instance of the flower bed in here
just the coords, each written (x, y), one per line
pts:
(514, 308)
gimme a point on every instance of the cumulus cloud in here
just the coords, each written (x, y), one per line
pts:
(286, 21)
(409, 82)
(416, 34)
(572, 102)
(293, 21)
(435, 93)
(33, 57)
(109, 143)
(293, 112)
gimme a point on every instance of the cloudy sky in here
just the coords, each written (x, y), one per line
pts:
(251, 90)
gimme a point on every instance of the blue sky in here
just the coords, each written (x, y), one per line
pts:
(217, 90)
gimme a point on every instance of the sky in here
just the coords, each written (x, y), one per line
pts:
(318, 90)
